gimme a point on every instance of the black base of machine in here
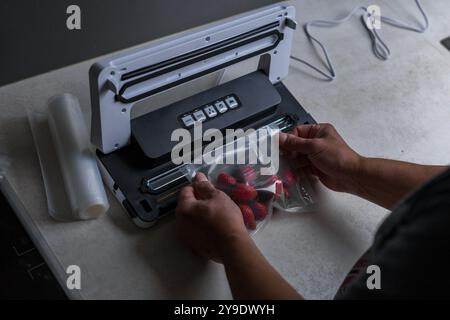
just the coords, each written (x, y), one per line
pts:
(148, 155)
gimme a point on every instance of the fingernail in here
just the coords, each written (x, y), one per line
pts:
(200, 177)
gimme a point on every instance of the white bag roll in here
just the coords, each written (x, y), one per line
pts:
(82, 180)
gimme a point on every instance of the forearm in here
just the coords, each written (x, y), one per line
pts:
(251, 276)
(385, 182)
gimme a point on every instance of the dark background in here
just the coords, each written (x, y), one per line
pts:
(34, 37)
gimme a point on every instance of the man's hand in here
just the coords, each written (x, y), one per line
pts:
(320, 149)
(208, 220)
(211, 224)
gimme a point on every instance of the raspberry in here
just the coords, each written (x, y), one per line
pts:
(225, 181)
(246, 174)
(243, 193)
(249, 217)
(260, 210)
(289, 179)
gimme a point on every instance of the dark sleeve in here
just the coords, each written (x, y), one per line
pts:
(411, 248)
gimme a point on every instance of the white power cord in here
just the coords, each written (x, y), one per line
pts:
(379, 47)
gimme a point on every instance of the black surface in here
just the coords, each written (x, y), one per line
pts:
(153, 130)
(35, 38)
(411, 249)
(23, 272)
(129, 166)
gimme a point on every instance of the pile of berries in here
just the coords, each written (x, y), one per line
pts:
(240, 186)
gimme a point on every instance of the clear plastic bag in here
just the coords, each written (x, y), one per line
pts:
(250, 193)
(255, 191)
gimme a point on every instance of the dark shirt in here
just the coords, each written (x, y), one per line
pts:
(411, 249)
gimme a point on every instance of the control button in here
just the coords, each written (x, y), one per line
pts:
(210, 111)
(188, 121)
(231, 102)
(221, 106)
(199, 116)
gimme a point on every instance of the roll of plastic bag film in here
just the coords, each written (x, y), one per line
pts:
(82, 181)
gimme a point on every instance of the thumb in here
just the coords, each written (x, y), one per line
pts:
(202, 187)
(291, 142)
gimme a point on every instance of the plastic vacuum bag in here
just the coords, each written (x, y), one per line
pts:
(258, 187)
(71, 177)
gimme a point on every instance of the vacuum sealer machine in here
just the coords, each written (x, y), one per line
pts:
(134, 154)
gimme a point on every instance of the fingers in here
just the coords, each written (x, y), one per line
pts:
(306, 131)
(186, 194)
(292, 142)
(302, 161)
(200, 177)
(305, 139)
(310, 131)
(298, 160)
(203, 189)
(186, 200)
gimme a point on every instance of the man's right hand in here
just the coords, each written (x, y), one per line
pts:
(320, 149)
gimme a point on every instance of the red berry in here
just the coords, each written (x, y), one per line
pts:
(260, 210)
(224, 180)
(289, 179)
(249, 217)
(243, 193)
(246, 174)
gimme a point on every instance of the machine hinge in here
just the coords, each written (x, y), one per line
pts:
(291, 23)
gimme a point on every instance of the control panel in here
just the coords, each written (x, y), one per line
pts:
(210, 110)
